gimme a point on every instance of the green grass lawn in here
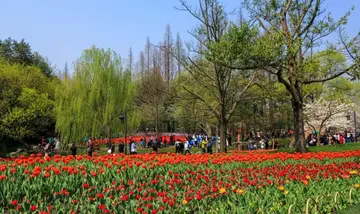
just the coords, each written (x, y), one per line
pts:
(355, 209)
(328, 148)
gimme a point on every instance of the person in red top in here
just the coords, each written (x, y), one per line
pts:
(342, 139)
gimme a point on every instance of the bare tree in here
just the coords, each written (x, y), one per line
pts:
(65, 74)
(156, 60)
(141, 64)
(167, 50)
(225, 86)
(179, 52)
(130, 60)
(148, 51)
(150, 97)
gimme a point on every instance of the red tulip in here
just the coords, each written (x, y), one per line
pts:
(124, 198)
(14, 202)
(33, 208)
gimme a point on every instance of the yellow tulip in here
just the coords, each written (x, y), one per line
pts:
(222, 190)
(184, 202)
(239, 191)
(353, 172)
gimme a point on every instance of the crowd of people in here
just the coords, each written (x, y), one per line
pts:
(49, 145)
(204, 142)
(328, 139)
(110, 147)
(263, 144)
(264, 141)
(183, 145)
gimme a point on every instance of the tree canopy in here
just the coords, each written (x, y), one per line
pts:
(291, 31)
(91, 102)
(26, 102)
(273, 70)
(15, 52)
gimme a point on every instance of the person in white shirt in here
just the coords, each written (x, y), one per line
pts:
(262, 144)
(177, 146)
(133, 148)
(348, 137)
(57, 144)
(187, 147)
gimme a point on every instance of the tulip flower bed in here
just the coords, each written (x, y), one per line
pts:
(222, 183)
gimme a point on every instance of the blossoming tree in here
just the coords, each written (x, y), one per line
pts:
(327, 113)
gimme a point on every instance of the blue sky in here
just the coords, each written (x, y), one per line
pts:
(61, 29)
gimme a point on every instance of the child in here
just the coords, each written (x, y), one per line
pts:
(133, 148)
(187, 147)
(73, 149)
(203, 146)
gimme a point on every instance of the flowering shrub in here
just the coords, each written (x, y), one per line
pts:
(221, 183)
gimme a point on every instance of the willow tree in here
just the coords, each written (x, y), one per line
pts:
(92, 101)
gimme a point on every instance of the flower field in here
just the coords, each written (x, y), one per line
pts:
(169, 183)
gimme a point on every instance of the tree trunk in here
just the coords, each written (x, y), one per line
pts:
(207, 129)
(157, 120)
(319, 135)
(222, 126)
(217, 136)
(299, 131)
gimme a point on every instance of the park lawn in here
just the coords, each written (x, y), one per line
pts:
(327, 148)
(197, 150)
(82, 149)
(355, 209)
(169, 149)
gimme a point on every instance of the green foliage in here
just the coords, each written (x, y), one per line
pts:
(44, 64)
(33, 115)
(191, 113)
(26, 101)
(92, 101)
(331, 148)
(354, 209)
(320, 65)
(15, 52)
(290, 32)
